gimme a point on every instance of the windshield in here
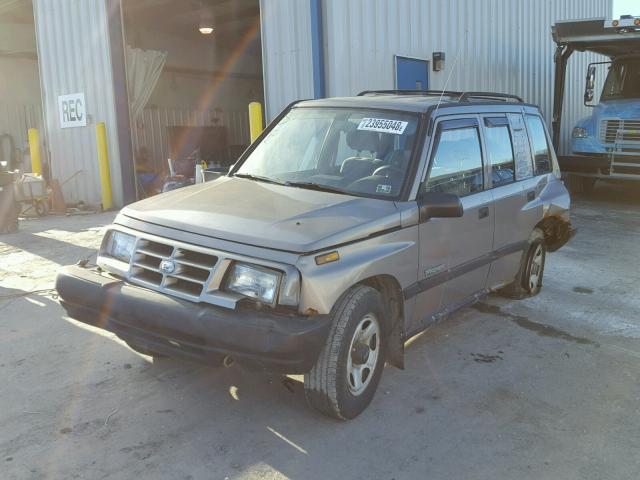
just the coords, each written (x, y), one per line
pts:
(358, 152)
(623, 81)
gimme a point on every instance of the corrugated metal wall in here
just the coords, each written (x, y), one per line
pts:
(74, 56)
(498, 45)
(151, 130)
(16, 119)
(286, 52)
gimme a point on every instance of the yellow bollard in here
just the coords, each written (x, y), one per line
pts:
(103, 166)
(255, 120)
(34, 150)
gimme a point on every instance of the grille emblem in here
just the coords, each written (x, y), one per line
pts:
(167, 266)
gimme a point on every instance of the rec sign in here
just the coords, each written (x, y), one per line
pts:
(72, 110)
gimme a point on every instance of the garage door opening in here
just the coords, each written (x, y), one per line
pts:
(192, 69)
(20, 97)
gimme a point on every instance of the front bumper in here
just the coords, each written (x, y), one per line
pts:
(287, 343)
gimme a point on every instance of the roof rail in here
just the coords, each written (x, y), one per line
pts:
(424, 93)
(504, 97)
(460, 96)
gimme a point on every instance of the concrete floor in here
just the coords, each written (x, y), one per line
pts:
(545, 388)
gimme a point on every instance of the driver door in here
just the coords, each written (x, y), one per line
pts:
(454, 252)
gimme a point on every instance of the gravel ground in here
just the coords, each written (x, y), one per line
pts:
(545, 388)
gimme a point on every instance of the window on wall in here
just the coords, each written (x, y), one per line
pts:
(499, 151)
(456, 165)
(541, 154)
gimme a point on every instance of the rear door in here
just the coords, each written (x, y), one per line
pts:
(455, 251)
(509, 198)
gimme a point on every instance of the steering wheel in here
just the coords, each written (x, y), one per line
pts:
(387, 171)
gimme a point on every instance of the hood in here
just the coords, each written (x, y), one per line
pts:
(626, 109)
(267, 215)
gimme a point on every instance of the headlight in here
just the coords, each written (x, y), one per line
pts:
(254, 282)
(120, 246)
(579, 132)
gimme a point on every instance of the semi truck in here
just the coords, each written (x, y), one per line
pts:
(606, 144)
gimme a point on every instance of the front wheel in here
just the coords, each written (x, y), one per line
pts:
(346, 375)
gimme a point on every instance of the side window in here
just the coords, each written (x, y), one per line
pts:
(521, 148)
(541, 156)
(499, 151)
(456, 164)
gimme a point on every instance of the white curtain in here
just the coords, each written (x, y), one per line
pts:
(143, 71)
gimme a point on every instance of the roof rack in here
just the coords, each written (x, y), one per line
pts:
(503, 97)
(424, 93)
(459, 96)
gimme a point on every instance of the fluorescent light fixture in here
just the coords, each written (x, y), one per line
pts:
(206, 23)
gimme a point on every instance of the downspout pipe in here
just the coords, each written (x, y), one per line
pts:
(317, 49)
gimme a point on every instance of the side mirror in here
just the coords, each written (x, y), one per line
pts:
(590, 84)
(439, 205)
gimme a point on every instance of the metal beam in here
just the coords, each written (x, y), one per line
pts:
(317, 49)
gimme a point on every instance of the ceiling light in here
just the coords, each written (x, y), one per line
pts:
(206, 23)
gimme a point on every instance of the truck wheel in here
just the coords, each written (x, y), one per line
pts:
(528, 281)
(588, 184)
(348, 370)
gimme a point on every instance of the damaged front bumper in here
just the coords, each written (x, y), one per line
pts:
(287, 343)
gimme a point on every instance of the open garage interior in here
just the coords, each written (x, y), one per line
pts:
(192, 69)
(20, 98)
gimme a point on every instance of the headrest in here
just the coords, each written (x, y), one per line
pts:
(363, 141)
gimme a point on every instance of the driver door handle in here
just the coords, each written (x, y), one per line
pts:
(483, 212)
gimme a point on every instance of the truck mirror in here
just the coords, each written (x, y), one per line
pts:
(590, 84)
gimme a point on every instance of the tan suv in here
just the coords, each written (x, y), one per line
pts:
(351, 225)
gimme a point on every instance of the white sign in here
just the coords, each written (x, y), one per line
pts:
(72, 110)
(383, 125)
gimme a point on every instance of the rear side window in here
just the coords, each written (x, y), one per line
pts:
(456, 165)
(499, 151)
(521, 147)
(541, 156)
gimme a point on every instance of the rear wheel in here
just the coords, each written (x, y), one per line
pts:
(346, 375)
(528, 281)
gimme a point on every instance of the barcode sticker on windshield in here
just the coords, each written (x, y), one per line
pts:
(383, 125)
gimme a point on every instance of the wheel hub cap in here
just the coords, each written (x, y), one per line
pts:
(363, 354)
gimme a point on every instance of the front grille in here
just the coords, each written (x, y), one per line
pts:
(620, 131)
(190, 274)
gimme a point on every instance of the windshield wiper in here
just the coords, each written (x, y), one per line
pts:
(319, 187)
(259, 178)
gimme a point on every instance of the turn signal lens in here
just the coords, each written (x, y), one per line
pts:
(327, 258)
(636, 22)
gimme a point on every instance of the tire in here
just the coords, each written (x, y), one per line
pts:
(528, 281)
(588, 184)
(352, 351)
(40, 208)
(145, 351)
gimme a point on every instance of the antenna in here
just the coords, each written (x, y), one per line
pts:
(455, 62)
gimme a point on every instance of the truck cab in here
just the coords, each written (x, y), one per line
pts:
(605, 144)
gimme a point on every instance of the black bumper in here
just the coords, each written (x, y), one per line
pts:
(198, 332)
(584, 163)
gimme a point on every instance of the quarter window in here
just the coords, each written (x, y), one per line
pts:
(521, 148)
(541, 156)
(499, 151)
(456, 165)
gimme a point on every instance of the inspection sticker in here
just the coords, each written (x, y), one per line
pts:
(383, 189)
(383, 125)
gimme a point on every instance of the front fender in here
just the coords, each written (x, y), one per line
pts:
(394, 254)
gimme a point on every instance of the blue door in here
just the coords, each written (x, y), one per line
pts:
(412, 74)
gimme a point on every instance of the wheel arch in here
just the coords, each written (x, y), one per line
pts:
(393, 302)
(557, 231)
